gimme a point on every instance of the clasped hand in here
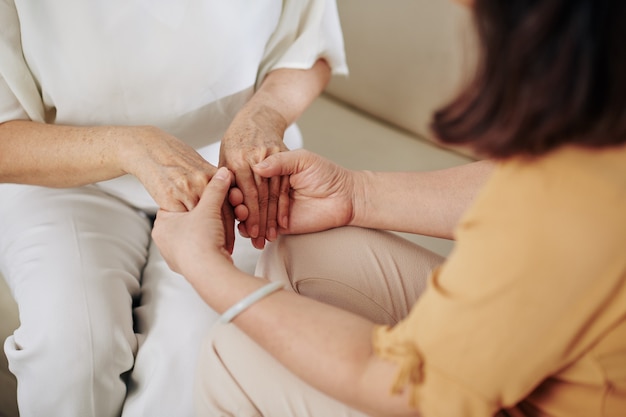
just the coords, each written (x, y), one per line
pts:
(255, 133)
(320, 197)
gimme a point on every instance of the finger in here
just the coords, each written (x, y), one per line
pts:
(228, 218)
(258, 242)
(242, 230)
(241, 212)
(235, 196)
(215, 192)
(272, 208)
(282, 163)
(283, 203)
(247, 184)
(263, 194)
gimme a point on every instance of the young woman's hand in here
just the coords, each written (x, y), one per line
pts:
(320, 197)
(201, 233)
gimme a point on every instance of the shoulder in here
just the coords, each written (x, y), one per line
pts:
(569, 201)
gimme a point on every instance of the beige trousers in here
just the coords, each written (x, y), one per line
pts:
(372, 273)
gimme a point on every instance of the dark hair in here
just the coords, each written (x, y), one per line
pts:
(550, 72)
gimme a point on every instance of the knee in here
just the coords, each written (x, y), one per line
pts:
(72, 375)
(295, 259)
(291, 256)
(61, 354)
(323, 256)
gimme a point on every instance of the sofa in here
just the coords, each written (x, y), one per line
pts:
(406, 58)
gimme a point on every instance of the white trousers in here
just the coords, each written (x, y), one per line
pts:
(106, 328)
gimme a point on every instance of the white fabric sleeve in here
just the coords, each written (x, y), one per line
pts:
(10, 107)
(19, 95)
(307, 31)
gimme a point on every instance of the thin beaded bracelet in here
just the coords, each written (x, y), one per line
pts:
(247, 301)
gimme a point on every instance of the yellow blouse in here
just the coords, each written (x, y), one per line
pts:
(528, 314)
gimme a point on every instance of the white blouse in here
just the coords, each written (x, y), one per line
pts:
(186, 66)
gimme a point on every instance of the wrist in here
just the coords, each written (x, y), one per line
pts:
(249, 300)
(361, 203)
(128, 144)
(203, 259)
(207, 271)
(266, 106)
(221, 286)
(264, 114)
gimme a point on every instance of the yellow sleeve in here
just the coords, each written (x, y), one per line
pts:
(536, 277)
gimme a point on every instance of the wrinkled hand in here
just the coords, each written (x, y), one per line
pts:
(251, 137)
(185, 237)
(321, 195)
(173, 173)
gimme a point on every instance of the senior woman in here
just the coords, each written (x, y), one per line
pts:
(108, 111)
(527, 317)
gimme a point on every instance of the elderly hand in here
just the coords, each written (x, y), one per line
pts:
(321, 197)
(252, 136)
(185, 237)
(173, 173)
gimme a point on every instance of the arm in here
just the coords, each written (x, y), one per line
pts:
(325, 346)
(428, 203)
(69, 156)
(325, 195)
(58, 156)
(257, 132)
(501, 349)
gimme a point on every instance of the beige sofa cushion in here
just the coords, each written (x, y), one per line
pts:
(406, 58)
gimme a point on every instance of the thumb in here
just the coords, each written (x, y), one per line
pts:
(215, 191)
(282, 163)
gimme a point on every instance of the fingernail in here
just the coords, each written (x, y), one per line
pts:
(254, 232)
(272, 234)
(262, 164)
(222, 173)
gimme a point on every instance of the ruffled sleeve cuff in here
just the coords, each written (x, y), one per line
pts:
(431, 390)
(405, 355)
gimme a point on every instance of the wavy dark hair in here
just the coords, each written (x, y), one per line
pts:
(550, 72)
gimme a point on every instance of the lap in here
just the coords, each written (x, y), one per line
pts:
(373, 273)
(81, 252)
(84, 272)
(236, 377)
(70, 253)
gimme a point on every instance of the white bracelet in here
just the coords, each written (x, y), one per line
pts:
(247, 301)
